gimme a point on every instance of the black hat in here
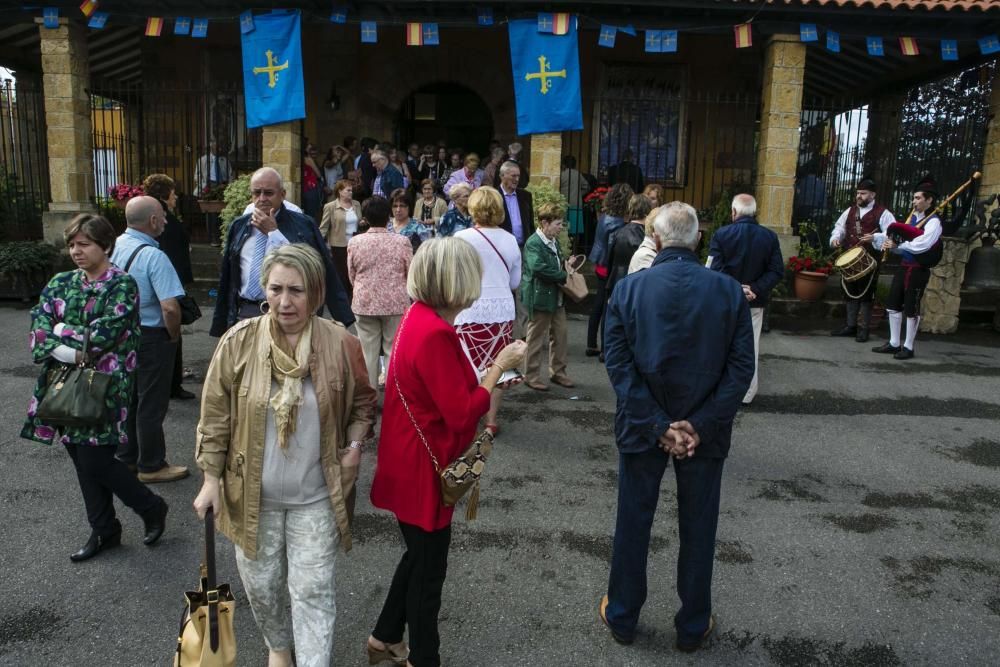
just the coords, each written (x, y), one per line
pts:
(867, 183)
(927, 185)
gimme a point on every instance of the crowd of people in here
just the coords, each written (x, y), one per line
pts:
(447, 292)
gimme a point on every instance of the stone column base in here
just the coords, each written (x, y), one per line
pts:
(54, 220)
(943, 296)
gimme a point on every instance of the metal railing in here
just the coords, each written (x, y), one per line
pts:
(24, 175)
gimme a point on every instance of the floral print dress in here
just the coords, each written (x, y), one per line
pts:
(110, 305)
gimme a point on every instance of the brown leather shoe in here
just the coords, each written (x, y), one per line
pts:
(537, 386)
(691, 648)
(602, 613)
(167, 473)
(564, 382)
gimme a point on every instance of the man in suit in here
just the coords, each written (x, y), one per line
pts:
(387, 178)
(627, 171)
(751, 254)
(678, 348)
(270, 225)
(519, 220)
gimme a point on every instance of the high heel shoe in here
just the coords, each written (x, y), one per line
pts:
(375, 655)
(96, 544)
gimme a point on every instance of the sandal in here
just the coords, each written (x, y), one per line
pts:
(375, 655)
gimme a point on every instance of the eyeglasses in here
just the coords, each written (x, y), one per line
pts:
(266, 193)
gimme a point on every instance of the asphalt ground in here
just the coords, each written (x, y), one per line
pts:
(859, 525)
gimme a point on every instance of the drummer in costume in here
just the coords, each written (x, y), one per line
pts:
(862, 225)
(910, 281)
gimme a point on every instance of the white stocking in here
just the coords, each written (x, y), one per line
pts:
(912, 324)
(895, 324)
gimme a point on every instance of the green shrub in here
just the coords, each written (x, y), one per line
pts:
(543, 193)
(237, 196)
(23, 258)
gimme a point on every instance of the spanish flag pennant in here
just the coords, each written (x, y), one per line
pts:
(88, 7)
(154, 25)
(743, 35)
(908, 45)
(560, 24)
(414, 34)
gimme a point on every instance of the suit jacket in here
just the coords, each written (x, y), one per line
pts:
(297, 228)
(392, 179)
(678, 344)
(627, 172)
(526, 207)
(751, 254)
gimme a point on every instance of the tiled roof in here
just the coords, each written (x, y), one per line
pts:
(943, 5)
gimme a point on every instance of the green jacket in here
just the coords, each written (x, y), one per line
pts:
(541, 275)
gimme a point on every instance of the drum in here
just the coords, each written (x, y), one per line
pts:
(855, 264)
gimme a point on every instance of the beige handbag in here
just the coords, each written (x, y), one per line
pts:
(206, 637)
(576, 285)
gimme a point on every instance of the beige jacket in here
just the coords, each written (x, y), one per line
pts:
(333, 225)
(234, 404)
(438, 208)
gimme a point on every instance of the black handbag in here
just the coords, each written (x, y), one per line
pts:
(75, 395)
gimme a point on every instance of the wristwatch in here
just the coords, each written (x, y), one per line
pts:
(355, 444)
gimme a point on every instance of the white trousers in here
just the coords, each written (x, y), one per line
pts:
(757, 316)
(296, 550)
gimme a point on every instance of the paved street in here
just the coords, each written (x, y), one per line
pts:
(859, 526)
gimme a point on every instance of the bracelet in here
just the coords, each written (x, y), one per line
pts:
(355, 444)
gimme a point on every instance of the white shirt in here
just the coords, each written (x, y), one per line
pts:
(840, 231)
(275, 239)
(496, 301)
(931, 235)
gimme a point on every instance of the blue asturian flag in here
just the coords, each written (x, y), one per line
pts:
(50, 17)
(808, 32)
(339, 14)
(989, 45)
(949, 49)
(654, 41)
(546, 71)
(98, 20)
(199, 28)
(272, 70)
(246, 22)
(668, 41)
(182, 25)
(484, 16)
(833, 41)
(875, 46)
(607, 36)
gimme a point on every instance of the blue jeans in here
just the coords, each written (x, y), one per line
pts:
(699, 481)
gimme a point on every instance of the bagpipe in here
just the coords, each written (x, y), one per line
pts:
(901, 232)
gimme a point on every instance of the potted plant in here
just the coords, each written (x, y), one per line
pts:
(120, 193)
(810, 268)
(25, 268)
(544, 193)
(235, 198)
(212, 198)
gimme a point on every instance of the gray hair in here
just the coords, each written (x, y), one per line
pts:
(268, 171)
(507, 166)
(677, 225)
(460, 189)
(745, 205)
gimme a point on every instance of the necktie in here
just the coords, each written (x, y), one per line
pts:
(254, 291)
(217, 177)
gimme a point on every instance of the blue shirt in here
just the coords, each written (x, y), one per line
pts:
(152, 271)
(516, 225)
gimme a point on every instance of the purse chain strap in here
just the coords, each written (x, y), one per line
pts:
(406, 406)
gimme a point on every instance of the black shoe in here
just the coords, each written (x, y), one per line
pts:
(862, 336)
(155, 522)
(691, 648)
(886, 348)
(904, 353)
(96, 544)
(845, 332)
(592, 352)
(182, 394)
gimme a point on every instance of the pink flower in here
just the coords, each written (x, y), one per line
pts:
(92, 441)
(60, 307)
(46, 307)
(108, 363)
(122, 438)
(120, 309)
(32, 406)
(130, 362)
(45, 432)
(39, 337)
(89, 307)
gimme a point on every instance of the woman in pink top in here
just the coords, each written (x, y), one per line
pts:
(377, 263)
(471, 174)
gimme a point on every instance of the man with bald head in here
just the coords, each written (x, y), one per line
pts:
(269, 224)
(138, 254)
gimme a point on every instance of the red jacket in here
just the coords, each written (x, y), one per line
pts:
(441, 389)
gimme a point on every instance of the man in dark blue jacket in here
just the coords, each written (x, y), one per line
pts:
(678, 346)
(248, 241)
(751, 254)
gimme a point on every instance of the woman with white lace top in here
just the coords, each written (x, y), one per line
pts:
(487, 325)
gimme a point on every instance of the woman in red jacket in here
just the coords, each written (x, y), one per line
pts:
(446, 399)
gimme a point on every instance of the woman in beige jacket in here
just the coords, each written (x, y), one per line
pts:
(341, 218)
(285, 409)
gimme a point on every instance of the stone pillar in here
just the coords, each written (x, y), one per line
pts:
(943, 296)
(65, 79)
(282, 151)
(991, 155)
(778, 154)
(546, 158)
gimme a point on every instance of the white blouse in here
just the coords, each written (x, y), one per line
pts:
(496, 301)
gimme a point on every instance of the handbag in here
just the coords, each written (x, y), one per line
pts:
(206, 637)
(190, 312)
(75, 395)
(576, 285)
(462, 474)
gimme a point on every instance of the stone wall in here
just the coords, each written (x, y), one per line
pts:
(943, 297)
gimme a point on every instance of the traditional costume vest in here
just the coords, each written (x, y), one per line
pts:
(927, 259)
(857, 226)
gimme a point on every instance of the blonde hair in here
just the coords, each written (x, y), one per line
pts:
(486, 207)
(307, 262)
(445, 273)
(649, 220)
(550, 211)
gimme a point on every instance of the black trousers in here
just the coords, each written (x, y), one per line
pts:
(178, 375)
(146, 447)
(101, 477)
(414, 598)
(907, 289)
(597, 315)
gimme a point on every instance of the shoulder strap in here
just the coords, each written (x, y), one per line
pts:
(406, 406)
(131, 257)
(494, 248)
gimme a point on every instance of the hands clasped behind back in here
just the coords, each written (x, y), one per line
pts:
(680, 440)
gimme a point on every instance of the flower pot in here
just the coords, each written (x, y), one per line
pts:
(810, 286)
(211, 206)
